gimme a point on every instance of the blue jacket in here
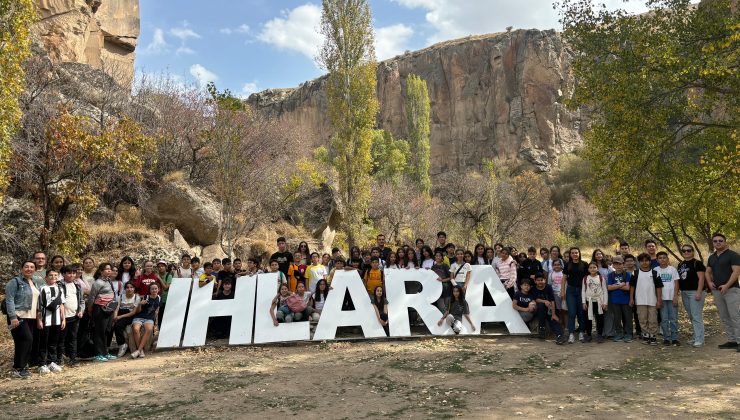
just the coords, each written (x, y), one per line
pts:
(18, 296)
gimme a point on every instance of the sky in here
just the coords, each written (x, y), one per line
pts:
(250, 45)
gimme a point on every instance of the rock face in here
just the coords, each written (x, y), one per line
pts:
(100, 33)
(318, 211)
(497, 95)
(194, 212)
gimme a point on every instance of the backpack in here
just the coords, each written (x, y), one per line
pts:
(296, 303)
(4, 303)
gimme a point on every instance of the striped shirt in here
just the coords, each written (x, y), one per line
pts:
(507, 272)
(47, 295)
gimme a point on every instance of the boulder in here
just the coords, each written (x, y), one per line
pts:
(179, 241)
(102, 215)
(212, 251)
(193, 211)
(317, 210)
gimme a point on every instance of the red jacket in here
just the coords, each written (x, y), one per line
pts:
(143, 281)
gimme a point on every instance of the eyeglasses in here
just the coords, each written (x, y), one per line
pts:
(687, 250)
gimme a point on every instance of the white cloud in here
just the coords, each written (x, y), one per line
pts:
(158, 44)
(241, 29)
(249, 88)
(392, 40)
(225, 31)
(184, 50)
(184, 32)
(202, 74)
(454, 19)
(297, 30)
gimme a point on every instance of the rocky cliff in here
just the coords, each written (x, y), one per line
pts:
(100, 33)
(497, 95)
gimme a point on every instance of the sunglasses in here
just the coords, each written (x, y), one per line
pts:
(687, 250)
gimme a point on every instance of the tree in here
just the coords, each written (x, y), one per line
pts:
(348, 54)
(665, 94)
(389, 157)
(417, 118)
(16, 17)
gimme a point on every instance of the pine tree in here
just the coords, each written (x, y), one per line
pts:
(417, 118)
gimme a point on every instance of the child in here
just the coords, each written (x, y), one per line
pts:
(646, 292)
(319, 298)
(74, 307)
(460, 270)
(220, 326)
(146, 316)
(444, 276)
(338, 266)
(373, 277)
(124, 314)
(457, 309)
(252, 267)
(296, 272)
(546, 310)
(195, 266)
(208, 276)
(50, 321)
(669, 316)
(307, 304)
(316, 272)
(618, 285)
(595, 299)
(275, 268)
(630, 266)
(280, 302)
(556, 278)
(524, 302)
(380, 304)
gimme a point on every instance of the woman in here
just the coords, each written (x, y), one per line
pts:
(479, 255)
(490, 256)
(88, 271)
(575, 271)
(602, 262)
(146, 279)
(56, 263)
(401, 261)
(126, 273)
(319, 298)
(146, 317)
(427, 258)
(411, 261)
(380, 304)
(303, 249)
(442, 271)
(100, 306)
(691, 284)
(21, 298)
(124, 314)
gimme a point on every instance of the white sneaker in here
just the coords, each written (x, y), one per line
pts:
(122, 350)
(141, 354)
(581, 337)
(571, 338)
(55, 367)
(44, 370)
(135, 354)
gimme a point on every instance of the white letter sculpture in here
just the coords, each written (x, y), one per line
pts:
(484, 276)
(422, 302)
(264, 330)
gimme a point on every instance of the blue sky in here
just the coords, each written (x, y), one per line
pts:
(251, 45)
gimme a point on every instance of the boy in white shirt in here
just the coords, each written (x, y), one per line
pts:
(668, 313)
(646, 292)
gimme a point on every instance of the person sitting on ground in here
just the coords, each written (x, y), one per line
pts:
(546, 310)
(319, 297)
(457, 309)
(279, 310)
(146, 317)
(524, 301)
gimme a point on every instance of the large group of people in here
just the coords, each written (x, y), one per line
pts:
(59, 312)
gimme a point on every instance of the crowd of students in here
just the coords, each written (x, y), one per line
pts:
(60, 312)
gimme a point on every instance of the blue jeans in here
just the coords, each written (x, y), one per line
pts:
(669, 320)
(575, 309)
(694, 309)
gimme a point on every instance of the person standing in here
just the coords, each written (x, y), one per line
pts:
(282, 256)
(723, 269)
(691, 285)
(384, 250)
(575, 271)
(21, 303)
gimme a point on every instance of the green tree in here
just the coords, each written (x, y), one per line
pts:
(417, 118)
(663, 141)
(348, 55)
(16, 17)
(389, 157)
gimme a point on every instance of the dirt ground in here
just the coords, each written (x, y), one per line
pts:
(480, 377)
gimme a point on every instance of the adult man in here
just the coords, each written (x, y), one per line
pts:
(723, 269)
(384, 250)
(39, 277)
(441, 243)
(282, 256)
(624, 248)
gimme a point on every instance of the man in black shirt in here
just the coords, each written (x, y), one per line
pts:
(384, 250)
(441, 243)
(723, 270)
(282, 256)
